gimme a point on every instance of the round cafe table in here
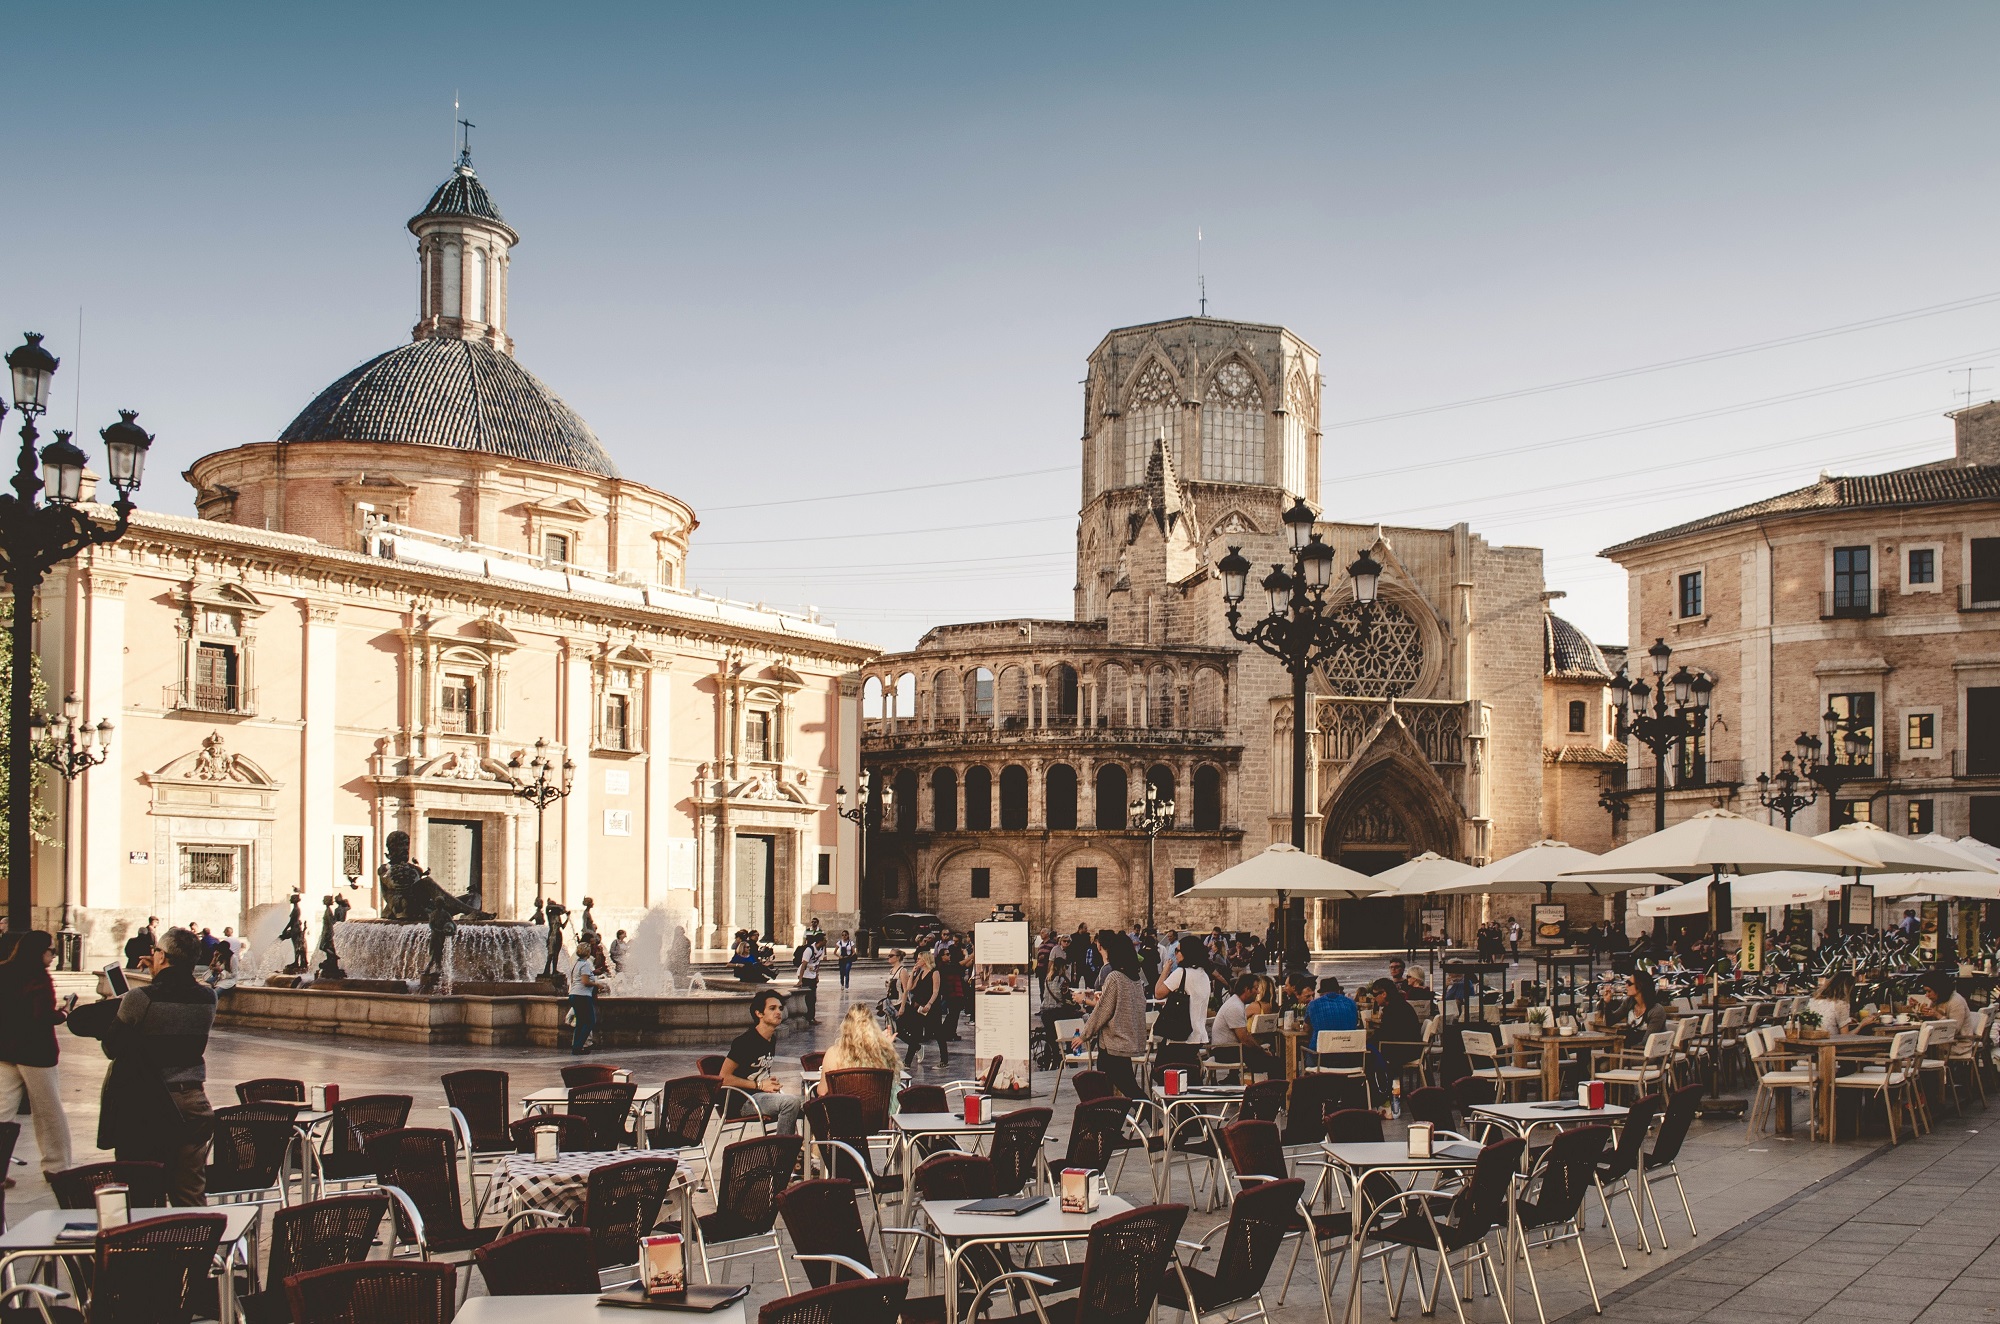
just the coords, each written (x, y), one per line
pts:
(558, 1185)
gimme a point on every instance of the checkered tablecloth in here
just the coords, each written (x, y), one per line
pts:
(558, 1185)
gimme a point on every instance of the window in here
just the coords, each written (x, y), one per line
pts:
(1923, 566)
(825, 878)
(458, 704)
(1690, 596)
(1086, 881)
(1922, 817)
(1853, 811)
(906, 801)
(452, 276)
(978, 800)
(1691, 760)
(475, 304)
(1152, 412)
(1982, 732)
(1232, 427)
(979, 693)
(617, 733)
(555, 548)
(1013, 798)
(1111, 786)
(1207, 798)
(1183, 880)
(982, 882)
(215, 678)
(1059, 798)
(1922, 732)
(1852, 594)
(757, 737)
(1985, 570)
(1161, 778)
(1861, 709)
(1579, 717)
(944, 800)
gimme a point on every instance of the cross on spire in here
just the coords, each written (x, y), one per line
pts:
(465, 143)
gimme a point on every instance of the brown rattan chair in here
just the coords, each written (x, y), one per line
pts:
(271, 1089)
(1443, 1224)
(824, 1221)
(588, 1073)
(252, 1143)
(687, 1103)
(1016, 1151)
(1260, 1219)
(1314, 1095)
(748, 1181)
(1125, 1263)
(812, 1061)
(840, 1303)
(543, 1261)
(478, 1103)
(418, 1168)
(574, 1135)
(1264, 1100)
(155, 1271)
(406, 1291)
(76, 1188)
(608, 1109)
(356, 1121)
(710, 1065)
(337, 1230)
(1091, 1086)
(874, 1086)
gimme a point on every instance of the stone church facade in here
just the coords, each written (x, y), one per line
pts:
(1014, 748)
(376, 615)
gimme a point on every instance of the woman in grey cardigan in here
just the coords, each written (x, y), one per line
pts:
(1118, 1022)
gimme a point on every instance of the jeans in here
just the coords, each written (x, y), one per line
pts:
(585, 1010)
(44, 1093)
(846, 970)
(1120, 1071)
(811, 989)
(781, 1110)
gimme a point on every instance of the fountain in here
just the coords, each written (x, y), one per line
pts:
(657, 958)
(376, 951)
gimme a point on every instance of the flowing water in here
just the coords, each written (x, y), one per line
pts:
(656, 956)
(476, 953)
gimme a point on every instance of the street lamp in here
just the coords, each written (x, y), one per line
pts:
(1152, 815)
(541, 781)
(1848, 735)
(41, 526)
(1302, 630)
(1793, 771)
(1667, 726)
(69, 745)
(857, 814)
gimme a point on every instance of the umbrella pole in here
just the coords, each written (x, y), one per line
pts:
(1714, 1105)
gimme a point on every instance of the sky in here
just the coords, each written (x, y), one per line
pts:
(831, 273)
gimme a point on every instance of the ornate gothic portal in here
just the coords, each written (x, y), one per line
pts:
(1385, 814)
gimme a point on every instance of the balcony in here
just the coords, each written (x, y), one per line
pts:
(910, 733)
(1977, 596)
(236, 700)
(1845, 610)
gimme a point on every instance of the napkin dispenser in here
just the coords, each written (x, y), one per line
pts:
(1079, 1190)
(1590, 1094)
(545, 1144)
(663, 1262)
(1421, 1136)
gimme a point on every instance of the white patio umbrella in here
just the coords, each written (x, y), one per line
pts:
(1427, 873)
(1978, 881)
(1752, 893)
(1716, 842)
(1284, 871)
(1899, 854)
(1552, 866)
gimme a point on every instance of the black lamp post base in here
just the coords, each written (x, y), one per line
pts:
(1721, 1108)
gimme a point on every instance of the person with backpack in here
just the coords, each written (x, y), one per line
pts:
(1185, 987)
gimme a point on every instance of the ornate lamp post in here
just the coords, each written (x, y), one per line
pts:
(41, 526)
(1152, 816)
(857, 813)
(1844, 735)
(69, 745)
(1664, 727)
(1303, 631)
(541, 781)
(1794, 771)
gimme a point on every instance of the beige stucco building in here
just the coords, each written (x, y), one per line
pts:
(434, 566)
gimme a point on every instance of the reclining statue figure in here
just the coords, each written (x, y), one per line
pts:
(409, 893)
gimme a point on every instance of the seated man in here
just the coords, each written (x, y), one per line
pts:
(1230, 1033)
(1333, 1010)
(1941, 1001)
(748, 1065)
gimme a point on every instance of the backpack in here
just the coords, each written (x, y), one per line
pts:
(1176, 1019)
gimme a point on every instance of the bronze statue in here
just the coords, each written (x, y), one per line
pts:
(588, 932)
(335, 913)
(443, 926)
(558, 916)
(409, 893)
(295, 931)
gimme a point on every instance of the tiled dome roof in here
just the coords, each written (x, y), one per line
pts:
(1567, 651)
(459, 394)
(462, 194)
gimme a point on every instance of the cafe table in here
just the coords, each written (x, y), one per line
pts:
(35, 1237)
(1044, 1223)
(1551, 1048)
(1827, 1049)
(912, 1127)
(555, 1098)
(1522, 1118)
(581, 1308)
(1359, 1159)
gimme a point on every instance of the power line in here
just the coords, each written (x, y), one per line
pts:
(887, 491)
(889, 533)
(1711, 356)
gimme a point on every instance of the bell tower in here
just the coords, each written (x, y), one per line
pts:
(462, 255)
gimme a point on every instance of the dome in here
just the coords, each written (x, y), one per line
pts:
(459, 394)
(1567, 651)
(461, 194)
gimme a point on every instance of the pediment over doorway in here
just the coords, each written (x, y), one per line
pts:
(215, 763)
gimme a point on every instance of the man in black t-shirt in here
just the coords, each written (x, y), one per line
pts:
(748, 1065)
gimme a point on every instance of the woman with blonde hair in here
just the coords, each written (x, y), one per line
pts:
(861, 1043)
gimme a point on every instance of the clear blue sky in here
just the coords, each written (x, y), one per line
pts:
(774, 252)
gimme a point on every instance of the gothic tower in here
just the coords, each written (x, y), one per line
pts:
(462, 255)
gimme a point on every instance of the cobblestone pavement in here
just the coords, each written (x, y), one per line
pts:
(1884, 1205)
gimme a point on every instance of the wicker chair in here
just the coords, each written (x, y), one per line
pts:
(543, 1261)
(841, 1149)
(588, 1073)
(824, 1221)
(1016, 1151)
(1432, 1104)
(1125, 1263)
(418, 1168)
(1256, 1154)
(1098, 1135)
(355, 1122)
(1615, 1170)
(478, 1101)
(608, 1109)
(872, 1086)
(1553, 1203)
(1091, 1086)
(1259, 1221)
(710, 1065)
(313, 1235)
(750, 1177)
(151, 1272)
(406, 1291)
(574, 1135)
(927, 1099)
(252, 1143)
(271, 1089)
(1314, 1095)
(812, 1061)
(76, 1188)
(686, 1105)
(840, 1303)
(1459, 1223)
(1264, 1101)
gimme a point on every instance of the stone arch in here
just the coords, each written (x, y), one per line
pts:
(1113, 787)
(1013, 798)
(1059, 798)
(1235, 406)
(944, 800)
(947, 697)
(1010, 698)
(1208, 699)
(978, 782)
(1390, 808)
(952, 882)
(1063, 696)
(1207, 798)
(1112, 907)
(1114, 695)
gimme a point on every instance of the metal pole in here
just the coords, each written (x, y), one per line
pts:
(20, 761)
(541, 822)
(1659, 789)
(1285, 917)
(1151, 837)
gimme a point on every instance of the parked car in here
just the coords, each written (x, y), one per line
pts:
(905, 927)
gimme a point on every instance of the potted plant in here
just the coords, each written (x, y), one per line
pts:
(1539, 1018)
(1810, 1025)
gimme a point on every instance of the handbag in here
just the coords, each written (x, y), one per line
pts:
(1175, 1020)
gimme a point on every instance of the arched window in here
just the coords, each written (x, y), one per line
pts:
(945, 698)
(1163, 699)
(906, 801)
(1111, 696)
(1061, 691)
(1207, 704)
(903, 702)
(1301, 427)
(1579, 716)
(1059, 798)
(1207, 798)
(1161, 778)
(978, 800)
(944, 800)
(1232, 427)
(871, 699)
(1111, 787)
(475, 304)
(1013, 798)
(978, 694)
(1011, 701)
(453, 276)
(1153, 411)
